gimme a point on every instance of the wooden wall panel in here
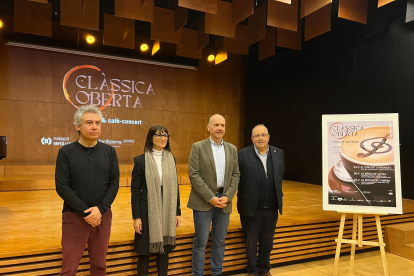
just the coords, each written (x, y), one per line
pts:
(282, 15)
(318, 22)
(223, 91)
(188, 45)
(241, 10)
(240, 44)
(355, 10)
(309, 6)
(257, 25)
(33, 18)
(290, 39)
(197, 122)
(267, 46)
(4, 68)
(119, 31)
(163, 27)
(1, 173)
(173, 121)
(134, 10)
(80, 14)
(384, 2)
(26, 80)
(28, 122)
(208, 6)
(233, 130)
(202, 38)
(179, 87)
(138, 133)
(221, 23)
(180, 18)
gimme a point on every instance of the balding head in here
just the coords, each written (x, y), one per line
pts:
(215, 116)
(260, 137)
(216, 127)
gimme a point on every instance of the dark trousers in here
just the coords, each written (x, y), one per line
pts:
(162, 265)
(259, 228)
(76, 233)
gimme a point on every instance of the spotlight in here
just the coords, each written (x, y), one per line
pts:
(144, 47)
(155, 47)
(211, 57)
(1, 24)
(90, 39)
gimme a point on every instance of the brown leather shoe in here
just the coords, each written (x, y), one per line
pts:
(267, 274)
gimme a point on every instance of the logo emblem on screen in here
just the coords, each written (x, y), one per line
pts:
(87, 84)
(46, 141)
(65, 79)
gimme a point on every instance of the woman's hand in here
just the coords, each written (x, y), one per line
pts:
(138, 225)
(178, 221)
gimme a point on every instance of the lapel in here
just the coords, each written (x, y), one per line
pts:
(251, 154)
(210, 153)
(227, 156)
(275, 160)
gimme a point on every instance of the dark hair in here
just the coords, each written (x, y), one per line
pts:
(153, 130)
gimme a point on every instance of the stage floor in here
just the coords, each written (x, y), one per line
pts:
(31, 220)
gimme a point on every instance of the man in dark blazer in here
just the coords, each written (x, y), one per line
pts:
(214, 175)
(260, 198)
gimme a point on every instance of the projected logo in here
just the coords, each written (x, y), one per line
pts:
(87, 84)
(46, 141)
(56, 141)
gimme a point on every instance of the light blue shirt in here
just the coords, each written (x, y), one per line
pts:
(262, 157)
(220, 161)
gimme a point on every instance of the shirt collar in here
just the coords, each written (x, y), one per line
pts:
(214, 143)
(258, 152)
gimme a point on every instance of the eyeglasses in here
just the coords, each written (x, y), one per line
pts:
(159, 136)
(257, 136)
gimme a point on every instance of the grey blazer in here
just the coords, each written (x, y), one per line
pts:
(203, 176)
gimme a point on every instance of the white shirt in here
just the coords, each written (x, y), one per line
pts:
(220, 161)
(158, 156)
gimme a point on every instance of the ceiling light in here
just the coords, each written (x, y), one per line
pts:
(144, 47)
(211, 57)
(90, 39)
(1, 24)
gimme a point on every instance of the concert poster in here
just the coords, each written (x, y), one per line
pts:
(361, 164)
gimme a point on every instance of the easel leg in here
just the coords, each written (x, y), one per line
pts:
(338, 244)
(354, 231)
(381, 245)
(360, 230)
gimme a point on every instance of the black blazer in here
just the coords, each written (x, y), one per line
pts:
(249, 185)
(139, 191)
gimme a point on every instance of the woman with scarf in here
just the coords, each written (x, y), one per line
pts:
(155, 201)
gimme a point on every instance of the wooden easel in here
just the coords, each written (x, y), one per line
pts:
(357, 224)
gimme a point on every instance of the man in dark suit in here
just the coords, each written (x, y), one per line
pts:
(260, 198)
(214, 175)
